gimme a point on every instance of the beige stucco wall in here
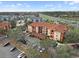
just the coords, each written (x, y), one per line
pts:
(36, 29)
(44, 30)
(29, 28)
(49, 32)
(20, 23)
(57, 35)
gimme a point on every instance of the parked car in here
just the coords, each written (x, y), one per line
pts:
(21, 55)
(41, 49)
(12, 49)
(75, 46)
(24, 56)
(34, 46)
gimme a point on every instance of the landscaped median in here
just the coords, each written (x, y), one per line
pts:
(21, 47)
(18, 45)
(3, 42)
(26, 49)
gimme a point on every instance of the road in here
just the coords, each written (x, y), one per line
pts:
(69, 44)
(4, 53)
(66, 21)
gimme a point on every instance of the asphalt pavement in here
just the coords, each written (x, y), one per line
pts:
(5, 52)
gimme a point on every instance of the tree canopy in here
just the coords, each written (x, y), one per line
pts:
(72, 36)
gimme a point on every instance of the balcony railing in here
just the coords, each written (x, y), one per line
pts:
(38, 35)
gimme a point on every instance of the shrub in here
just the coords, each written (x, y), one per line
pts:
(48, 43)
(72, 36)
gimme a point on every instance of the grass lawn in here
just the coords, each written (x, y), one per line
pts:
(33, 40)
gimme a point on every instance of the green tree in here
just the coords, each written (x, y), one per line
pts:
(72, 36)
(5, 19)
(48, 43)
(50, 21)
(2, 31)
(32, 53)
(21, 38)
(13, 23)
(16, 33)
(27, 22)
(22, 28)
(63, 52)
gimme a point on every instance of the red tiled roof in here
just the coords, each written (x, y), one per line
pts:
(4, 24)
(55, 27)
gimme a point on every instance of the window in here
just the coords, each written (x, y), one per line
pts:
(33, 29)
(37, 21)
(46, 31)
(52, 31)
(56, 35)
(39, 29)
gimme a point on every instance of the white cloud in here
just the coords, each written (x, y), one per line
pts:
(24, 5)
(10, 6)
(13, 5)
(66, 2)
(27, 5)
(12, 10)
(18, 4)
(0, 2)
(74, 8)
(48, 5)
(73, 2)
(59, 5)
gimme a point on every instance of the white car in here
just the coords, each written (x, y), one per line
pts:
(41, 51)
(21, 55)
(12, 49)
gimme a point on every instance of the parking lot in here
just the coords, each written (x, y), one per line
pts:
(5, 51)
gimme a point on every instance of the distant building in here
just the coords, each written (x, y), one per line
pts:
(34, 19)
(43, 29)
(20, 22)
(5, 25)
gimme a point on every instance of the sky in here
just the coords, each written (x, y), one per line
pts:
(17, 6)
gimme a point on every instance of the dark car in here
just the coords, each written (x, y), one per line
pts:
(12, 49)
(22, 55)
(75, 46)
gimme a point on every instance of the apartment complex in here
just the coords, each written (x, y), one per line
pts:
(5, 25)
(44, 29)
